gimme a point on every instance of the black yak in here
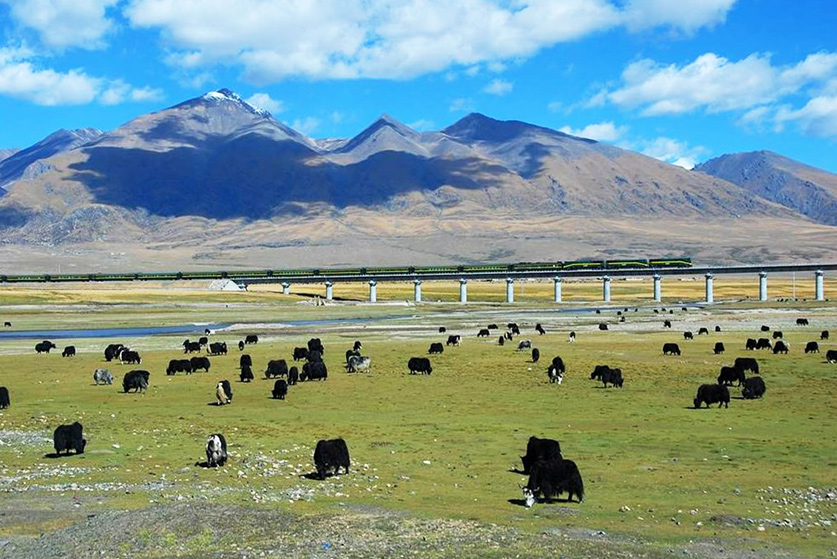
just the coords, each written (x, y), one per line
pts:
(330, 456)
(68, 437)
(753, 388)
(136, 380)
(280, 389)
(550, 478)
(711, 394)
(216, 450)
(540, 449)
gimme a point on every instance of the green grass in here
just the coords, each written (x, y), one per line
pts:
(442, 445)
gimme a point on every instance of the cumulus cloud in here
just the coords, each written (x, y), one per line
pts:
(65, 23)
(817, 118)
(714, 84)
(673, 151)
(266, 102)
(602, 131)
(461, 105)
(23, 79)
(499, 87)
(306, 126)
(340, 39)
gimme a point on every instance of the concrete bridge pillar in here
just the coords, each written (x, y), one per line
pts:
(657, 291)
(463, 290)
(329, 290)
(286, 288)
(762, 286)
(710, 292)
(606, 289)
(509, 290)
(818, 288)
(417, 290)
(558, 281)
(373, 291)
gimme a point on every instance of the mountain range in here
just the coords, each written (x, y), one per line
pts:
(214, 182)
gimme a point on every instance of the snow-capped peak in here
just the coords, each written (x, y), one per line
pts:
(227, 95)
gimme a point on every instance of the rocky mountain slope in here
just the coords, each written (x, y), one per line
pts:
(17, 164)
(810, 191)
(215, 181)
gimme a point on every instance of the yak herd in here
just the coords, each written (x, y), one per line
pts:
(550, 474)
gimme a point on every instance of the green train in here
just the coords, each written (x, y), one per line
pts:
(409, 271)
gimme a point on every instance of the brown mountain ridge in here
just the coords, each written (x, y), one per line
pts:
(215, 182)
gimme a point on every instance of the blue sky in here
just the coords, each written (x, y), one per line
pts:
(680, 80)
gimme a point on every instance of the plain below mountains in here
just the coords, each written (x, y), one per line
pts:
(215, 182)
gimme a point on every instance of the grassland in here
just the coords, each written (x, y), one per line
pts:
(433, 456)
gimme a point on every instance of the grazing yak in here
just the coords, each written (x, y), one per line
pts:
(750, 344)
(824, 335)
(44, 346)
(276, 368)
(293, 376)
(358, 364)
(330, 456)
(780, 347)
(69, 351)
(666, 324)
(747, 364)
(191, 347)
(437, 348)
(671, 349)
(68, 437)
(702, 331)
(419, 365)
(492, 326)
(7, 324)
(765, 328)
(102, 376)
(200, 363)
(513, 328)
(218, 348)
(357, 346)
(778, 335)
(223, 392)
(128, 356)
(300, 353)
(550, 478)
(719, 348)
(246, 374)
(314, 370)
(540, 449)
(688, 335)
(442, 329)
(711, 394)
(501, 340)
(802, 322)
(483, 333)
(245, 359)
(572, 337)
(314, 344)
(280, 389)
(753, 388)
(763, 343)
(179, 365)
(536, 355)
(112, 351)
(717, 328)
(251, 339)
(812, 347)
(5, 402)
(831, 355)
(203, 340)
(240, 345)
(731, 374)
(454, 340)
(351, 353)
(525, 344)
(136, 380)
(539, 329)
(216, 450)
(607, 375)
(602, 326)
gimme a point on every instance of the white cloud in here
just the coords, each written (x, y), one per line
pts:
(461, 104)
(602, 131)
(65, 23)
(340, 39)
(21, 78)
(266, 102)
(422, 125)
(673, 151)
(499, 87)
(687, 15)
(817, 118)
(306, 126)
(715, 84)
